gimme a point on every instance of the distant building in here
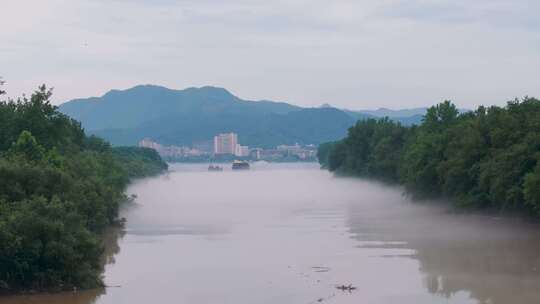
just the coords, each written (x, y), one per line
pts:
(270, 154)
(149, 143)
(205, 146)
(295, 149)
(171, 152)
(225, 143)
(308, 152)
(256, 153)
(241, 151)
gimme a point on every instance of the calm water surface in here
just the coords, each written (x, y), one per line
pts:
(290, 233)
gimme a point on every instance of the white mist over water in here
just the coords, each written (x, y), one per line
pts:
(289, 233)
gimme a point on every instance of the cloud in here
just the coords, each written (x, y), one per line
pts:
(496, 13)
(354, 54)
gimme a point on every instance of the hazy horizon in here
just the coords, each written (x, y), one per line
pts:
(392, 54)
(325, 104)
(233, 93)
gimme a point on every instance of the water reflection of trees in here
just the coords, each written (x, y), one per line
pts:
(111, 243)
(111, 248)
(497, 262)
(497, 271)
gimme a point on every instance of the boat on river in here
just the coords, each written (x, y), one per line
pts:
(240, 165)
(215, 168)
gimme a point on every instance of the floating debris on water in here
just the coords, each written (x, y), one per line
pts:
(348, 288)
(321, 269)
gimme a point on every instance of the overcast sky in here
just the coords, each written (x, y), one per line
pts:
(353, 54)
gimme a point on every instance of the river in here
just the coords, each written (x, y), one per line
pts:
(290, 233)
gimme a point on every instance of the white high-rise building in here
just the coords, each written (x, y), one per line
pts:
(225, 143)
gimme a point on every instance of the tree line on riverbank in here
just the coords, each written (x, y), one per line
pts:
(59, 190)
(487, 158)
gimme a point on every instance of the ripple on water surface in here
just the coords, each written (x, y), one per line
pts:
(291, 233)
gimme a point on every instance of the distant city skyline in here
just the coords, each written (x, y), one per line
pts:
(226, 145)
(352, 54)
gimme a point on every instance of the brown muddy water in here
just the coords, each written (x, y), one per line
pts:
(289, 233)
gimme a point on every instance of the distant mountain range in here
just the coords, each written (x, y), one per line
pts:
(382, 112)
(181, 117)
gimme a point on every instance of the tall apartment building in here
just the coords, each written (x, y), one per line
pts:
(225, 143)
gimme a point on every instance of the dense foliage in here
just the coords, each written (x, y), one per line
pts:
(139, 161)
(488, 158)
(59, 190)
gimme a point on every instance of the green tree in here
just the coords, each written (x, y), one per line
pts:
(532, 188)
(486, 158)
(2, 92)
(424, 156)
(27, 147)
(59, 190)
(324, 152)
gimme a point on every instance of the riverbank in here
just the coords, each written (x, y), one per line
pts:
(59, 191)
(485, 159)
(49, 224)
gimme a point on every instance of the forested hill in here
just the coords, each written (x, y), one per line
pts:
(59, 190)
(181, 117)
(488, 158)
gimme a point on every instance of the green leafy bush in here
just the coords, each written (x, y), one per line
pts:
(488, 158)
(59, 190)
